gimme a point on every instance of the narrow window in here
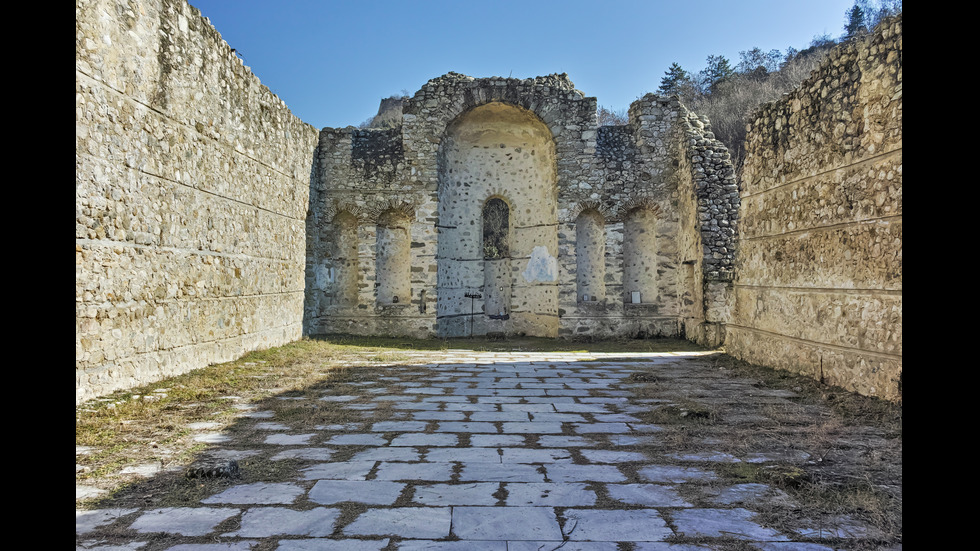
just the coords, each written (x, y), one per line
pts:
(496, 259)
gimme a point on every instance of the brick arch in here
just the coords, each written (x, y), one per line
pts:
(577, 209)
(401, 207)
(331, 211)
(636, 203)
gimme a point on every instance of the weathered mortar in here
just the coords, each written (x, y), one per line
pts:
(192, 186)
(819, 277)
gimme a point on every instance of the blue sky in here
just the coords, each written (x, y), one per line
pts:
(332, 61)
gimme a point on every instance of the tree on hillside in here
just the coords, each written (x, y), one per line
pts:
(608, 117)
(674, 81)
(855, 22)
(717, 70)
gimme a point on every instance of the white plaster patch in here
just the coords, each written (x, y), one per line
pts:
(541, 266)
(325, 276)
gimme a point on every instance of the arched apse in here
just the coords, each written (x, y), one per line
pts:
(497, 152)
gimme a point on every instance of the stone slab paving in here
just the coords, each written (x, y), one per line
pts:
(484, 451)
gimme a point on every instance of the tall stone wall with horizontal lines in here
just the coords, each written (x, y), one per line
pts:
(818, 286)
(191, 192)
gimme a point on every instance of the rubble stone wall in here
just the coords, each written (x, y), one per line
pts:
(819, 276)
(606, 235)
(192, 187)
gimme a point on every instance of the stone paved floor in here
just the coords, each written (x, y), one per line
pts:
(503, 451)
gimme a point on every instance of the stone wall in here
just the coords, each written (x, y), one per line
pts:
(819, 277)
(192, 187)
(611, 231)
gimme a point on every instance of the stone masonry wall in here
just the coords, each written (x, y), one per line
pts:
(612, 231)
(192, 187)
(819, 277)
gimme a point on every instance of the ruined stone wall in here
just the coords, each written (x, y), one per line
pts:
(605, 237)
(192, 186)
(819, 277)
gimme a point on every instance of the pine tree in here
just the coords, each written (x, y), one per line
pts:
(718, 70)
(855, 22)
(675, 78)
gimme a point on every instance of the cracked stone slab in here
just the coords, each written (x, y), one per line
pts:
(562, 441)
(608, 428)
(371, 492)
(262, 522)
(562, 546)
(399, 426)
(510, 523)
(387, 454)
(223, 546)
(498, 472)
(346, 470)
(548, 494)
(570, 472)
(616, 525)
(532, 427)
(424, 439)
(415, 471)
(716, 523)
(675, 475)
(653, 495)
(749, 494)
(480, 455)
(186, 521)
(259, 493)
(463, 426)
(330, 545)
(524, 455)
(362, 439)
(405, 522)
(87, 521)
(715, 457)
(469, 545)
(480, 493)
(497, 440)
(613, 456)
(288, 439)
(310, 454)
(98, 546)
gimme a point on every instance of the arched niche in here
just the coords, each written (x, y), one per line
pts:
(590, 253)
(342, 262)
(497, 150)
(640, 256)
(393, 258)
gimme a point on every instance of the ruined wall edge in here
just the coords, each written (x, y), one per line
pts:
(192, 188)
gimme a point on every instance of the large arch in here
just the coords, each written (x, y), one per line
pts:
(502, 152)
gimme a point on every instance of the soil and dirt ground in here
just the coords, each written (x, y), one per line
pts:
(391, 444)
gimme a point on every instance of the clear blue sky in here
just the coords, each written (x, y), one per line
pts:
(332, 61)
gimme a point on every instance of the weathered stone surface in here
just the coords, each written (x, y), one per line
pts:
(190, 205)
(819, 275)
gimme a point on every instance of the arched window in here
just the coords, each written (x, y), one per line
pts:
(496, 229)
(496, 258)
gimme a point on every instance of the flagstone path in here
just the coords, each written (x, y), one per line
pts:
(506, 452)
